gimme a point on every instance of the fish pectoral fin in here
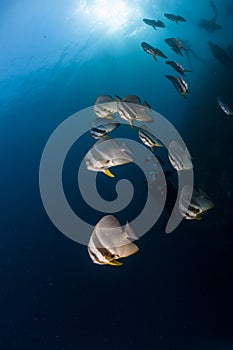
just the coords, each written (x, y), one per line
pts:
(108, 173)
(115, 263)
(155, 58)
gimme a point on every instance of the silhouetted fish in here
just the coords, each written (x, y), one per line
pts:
(152, 51)
(176, 45)
(175, 18)
(178, 67)
(220, 54)
(210, 25)
(153, 23)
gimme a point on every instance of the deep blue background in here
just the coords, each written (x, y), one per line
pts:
(176, 293)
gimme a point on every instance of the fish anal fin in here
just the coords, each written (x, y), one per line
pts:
(108, 173)
(115, 263)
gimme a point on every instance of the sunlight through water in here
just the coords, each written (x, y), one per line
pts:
(111, 16)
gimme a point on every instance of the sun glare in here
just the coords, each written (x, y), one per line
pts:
(108, 15)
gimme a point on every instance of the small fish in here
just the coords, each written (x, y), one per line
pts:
(225, 108)
(149, 139)
(131, 109)
(106, 154)
(175, 18)
(99, 131)
(105, 107)
(154, 52)
(198, 206)
(153, 23)
(109, 242)
(178, 67)
(179, 84)
(180, 158)
(176, 45)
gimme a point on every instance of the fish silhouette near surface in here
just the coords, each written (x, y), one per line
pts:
(153, 23)
(176, 45)
(178, 67)
(154, 52)
(175, 18)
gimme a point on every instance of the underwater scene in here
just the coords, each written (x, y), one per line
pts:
(116, 175)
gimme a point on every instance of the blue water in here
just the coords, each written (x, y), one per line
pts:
(176, 293)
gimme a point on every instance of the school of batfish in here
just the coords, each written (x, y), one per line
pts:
(109, 242)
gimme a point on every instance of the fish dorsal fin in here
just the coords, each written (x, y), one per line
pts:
(126, 149)
(103, 99)
(129, 232)
(117, 98)
(146, 104)
(132, 99)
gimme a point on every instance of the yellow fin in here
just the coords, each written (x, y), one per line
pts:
(115, 263)
(108, 173)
